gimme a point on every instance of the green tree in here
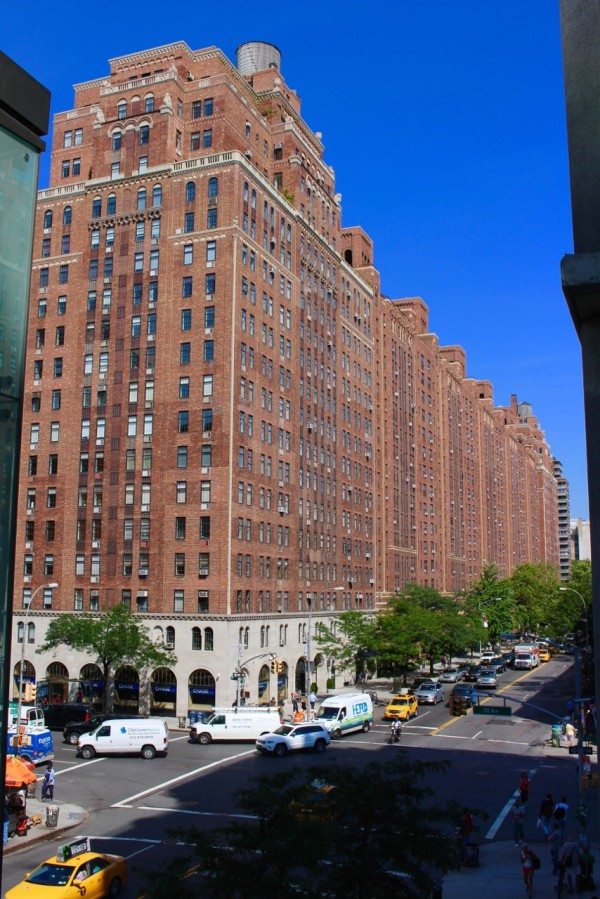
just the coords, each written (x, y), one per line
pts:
(374, 832)
(114, 638)
(533, 587)
(353, 636)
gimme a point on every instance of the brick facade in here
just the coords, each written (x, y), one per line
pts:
(224, 418)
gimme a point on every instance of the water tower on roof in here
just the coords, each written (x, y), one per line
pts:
(256, 56)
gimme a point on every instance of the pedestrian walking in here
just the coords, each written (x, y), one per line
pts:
(517, 814)
(545, 814)
(294, 698)
(554, 842)
(561, 810)
(529, 864)
(312, 698)
(524, 787)
(568, 859)
(303, 703)
(48, 783)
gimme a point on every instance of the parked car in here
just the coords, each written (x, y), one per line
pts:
(288, 738)
(451, 675)
(487, 678)
(73, 730)
(430, 693)
(472, 673)
(402, 707)
(60, 713)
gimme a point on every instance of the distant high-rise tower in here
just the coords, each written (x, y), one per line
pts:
(564, 521)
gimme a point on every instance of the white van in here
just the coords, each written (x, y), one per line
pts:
(243, 723)
(148, 736)
(345, 713)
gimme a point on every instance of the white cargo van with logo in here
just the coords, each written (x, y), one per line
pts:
(146, 736)
(345, 713)
(235, 724)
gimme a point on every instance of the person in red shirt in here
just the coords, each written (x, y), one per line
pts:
(524, 788)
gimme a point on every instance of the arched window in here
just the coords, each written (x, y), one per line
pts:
(116, 140)
(246, 191)
(213, 187)
(158, 635)
(156, 195)
(31, 632)
(48, 218)
(208, 639)
(20, 631)
(122, 109)
(170, 637)
(196, 638)
(246, 637)
(141, 198)
(67, 215)
(190, 191)
(262, 636)
(144, 134)
(253, 200)
(149, 103)
(96, 207)
(111, 204)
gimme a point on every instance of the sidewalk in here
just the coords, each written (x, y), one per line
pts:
(69, 816)
(499, 874)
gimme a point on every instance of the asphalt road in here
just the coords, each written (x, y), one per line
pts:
(134, 805)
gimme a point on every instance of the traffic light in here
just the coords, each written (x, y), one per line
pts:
(27, 691)
(280, 667)
(273, 666)
(33, 692)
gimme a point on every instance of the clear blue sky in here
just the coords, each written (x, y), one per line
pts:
(445, 124)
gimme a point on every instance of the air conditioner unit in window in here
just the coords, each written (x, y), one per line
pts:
(145, 472)
(143, 572)
(94, 579)
(203, 572)
(28, 544)
(27, 579)
(145, 507)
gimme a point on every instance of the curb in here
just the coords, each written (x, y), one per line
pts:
(49, 833)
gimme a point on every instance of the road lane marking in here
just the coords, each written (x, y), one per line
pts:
(506, 808)
(474, 737)
(167, 783)
(74, 767)
(185, 811)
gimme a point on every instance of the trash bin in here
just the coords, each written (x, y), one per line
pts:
(556, 734)
(471, 852)
(52, 815)
(31, 788)
(182, 721)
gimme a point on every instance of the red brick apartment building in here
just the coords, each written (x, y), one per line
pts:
(225, 421)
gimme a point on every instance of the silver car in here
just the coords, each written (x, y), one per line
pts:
(487, 678)
(430, 694)
(451, 675)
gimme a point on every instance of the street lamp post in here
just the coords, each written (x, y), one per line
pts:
(486, 602)
(51, 586)
(308, 655)
(578, 684)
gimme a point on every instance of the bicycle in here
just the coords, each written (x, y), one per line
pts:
(395, 733)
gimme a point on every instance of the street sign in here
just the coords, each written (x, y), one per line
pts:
(492, 710)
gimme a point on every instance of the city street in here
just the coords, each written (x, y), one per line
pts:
(133, 804)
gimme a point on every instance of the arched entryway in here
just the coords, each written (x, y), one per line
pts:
(127, 691)
(264, 680)
(202, 689)
(91, 686)
(57, 681)
(163, 692)
(28, 678)
(282, 683)
(300, 675)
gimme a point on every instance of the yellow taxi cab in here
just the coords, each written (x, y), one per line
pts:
(402, 707)
(73, 871)
(545, 655)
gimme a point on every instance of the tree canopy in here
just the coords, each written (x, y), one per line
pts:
(332, 830)
(114, 638)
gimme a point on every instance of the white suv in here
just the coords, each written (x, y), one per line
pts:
(289, 737)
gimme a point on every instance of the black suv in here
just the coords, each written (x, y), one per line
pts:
(61, 713)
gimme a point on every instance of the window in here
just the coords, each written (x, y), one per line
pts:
(65, 244)
(141, 198)
(149, 103)
(207, 138)
(190, 191)
(206, 456)
(178, 606)
(51, 498)
(208, 354)
(207, 419)
(111, 204)
(180, 521)
(116, 140)
(211, 250)
(67, 215)
(188, 222)
(188, 254)
(209, 317)
(56, 395)
(184, 353)
(48, 218)
(204, 531)
(136, 325)
(195, 140)
(138, 262)
(114, 170)
(211, 217)
(77, 166)
(96, 207)
(54, 431)
(184, 388)
(143, 164)
(186, 319)
(66, 168)
(144, 134)
(43, 282)
(196, 638)
(213, 187)
(205, 491)
(61, 306)
(157, 195)
(183, 423)
(181, 492)
(208, 106)
(154, 260)
(203, 564)
(122, 109)
(207, 386)
(179, 566)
